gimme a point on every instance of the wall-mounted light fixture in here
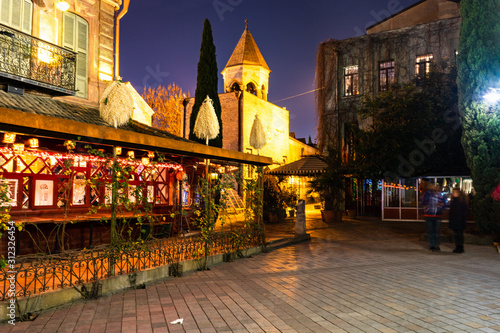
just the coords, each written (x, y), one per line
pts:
(18, 148)
(131, 154)
(62, 6)
(9, 137)
(118, 150)
(151, 154)
(33, 143)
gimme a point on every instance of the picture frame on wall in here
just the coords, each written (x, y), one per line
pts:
(44, 193)
(11, 191)
(151, 193)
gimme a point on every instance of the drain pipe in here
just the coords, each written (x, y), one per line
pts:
(117, 38)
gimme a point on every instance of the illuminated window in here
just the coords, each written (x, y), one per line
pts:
(17, 14)
(386, 75)
(423, 65)
(75, 38)
(351, 81)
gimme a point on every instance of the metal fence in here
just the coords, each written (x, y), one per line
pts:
(28, 57)
(37, 274)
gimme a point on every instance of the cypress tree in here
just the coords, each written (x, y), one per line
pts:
(479, 70)
(206, 84)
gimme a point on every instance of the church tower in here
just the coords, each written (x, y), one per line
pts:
(246, 69)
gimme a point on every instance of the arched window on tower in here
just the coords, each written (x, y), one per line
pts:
(235, 87)
(251, 89)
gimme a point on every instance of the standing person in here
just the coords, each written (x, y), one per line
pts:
(433, 203)
(458, 217)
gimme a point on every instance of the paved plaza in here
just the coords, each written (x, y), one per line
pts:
(355, 276)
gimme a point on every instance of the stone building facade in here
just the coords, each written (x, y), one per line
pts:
(246, 86)
(79, 40)
(397, 49)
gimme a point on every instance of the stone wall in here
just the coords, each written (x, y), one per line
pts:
(299, 149)
(276, 125)
(439, 38)
(100, 15)
(237, 123)
(230, 120)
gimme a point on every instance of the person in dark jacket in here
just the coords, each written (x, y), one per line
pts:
(434, 204)
(458, 216)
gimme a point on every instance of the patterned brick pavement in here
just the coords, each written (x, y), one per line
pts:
(354, 276)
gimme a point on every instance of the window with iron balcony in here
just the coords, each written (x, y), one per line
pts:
(55, 61)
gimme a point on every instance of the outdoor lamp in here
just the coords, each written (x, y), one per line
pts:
(118, 150)
(18, 148)
(62, 6)
(131, 154)
(9, 137)
(33, 143)
(145, 160)
(493, 96)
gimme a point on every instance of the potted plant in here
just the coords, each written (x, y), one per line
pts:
(290, 198)
(330, 186)
(274, 206)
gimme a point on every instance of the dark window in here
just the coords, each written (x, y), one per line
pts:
(423, 65)
(351, 81)
(251, 89)
(386, 75)
(235, 87)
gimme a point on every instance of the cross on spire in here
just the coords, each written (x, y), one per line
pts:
(246, 22)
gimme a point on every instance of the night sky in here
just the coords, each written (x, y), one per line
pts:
(160, 42)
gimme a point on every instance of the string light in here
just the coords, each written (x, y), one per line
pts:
(85, 158)
(402, 187)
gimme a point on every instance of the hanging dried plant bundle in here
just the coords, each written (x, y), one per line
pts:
(206, 125)
(257, 134)
(116, 105)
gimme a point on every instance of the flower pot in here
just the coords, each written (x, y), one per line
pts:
(331, 216)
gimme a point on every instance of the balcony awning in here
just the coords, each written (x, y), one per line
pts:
(307, 166)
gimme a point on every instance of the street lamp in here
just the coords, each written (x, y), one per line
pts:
(62, 6)
(493, 96)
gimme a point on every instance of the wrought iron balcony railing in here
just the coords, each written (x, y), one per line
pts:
(31, 60)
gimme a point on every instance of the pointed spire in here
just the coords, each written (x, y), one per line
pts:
(247, 52)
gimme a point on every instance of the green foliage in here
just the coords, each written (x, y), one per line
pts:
(479, 70)
(273, 198)
(330, 184)
(290, 197)
(414, 130)
(255, 197)
(212, 207)
(207, 84)
(124, 199)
